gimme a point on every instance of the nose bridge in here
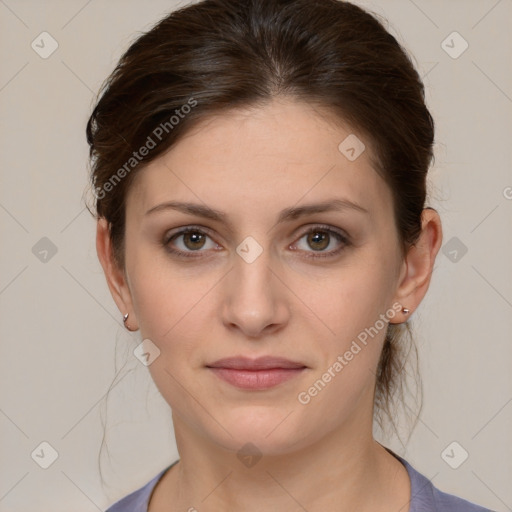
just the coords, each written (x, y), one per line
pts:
(253, 300)
(252, 261)
(252, 275)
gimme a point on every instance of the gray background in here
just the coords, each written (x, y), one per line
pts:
(61, 333)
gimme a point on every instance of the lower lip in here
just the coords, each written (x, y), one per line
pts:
(256, 379)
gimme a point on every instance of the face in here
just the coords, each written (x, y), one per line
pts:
(276, 245)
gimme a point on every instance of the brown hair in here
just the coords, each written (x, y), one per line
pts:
(217, 55)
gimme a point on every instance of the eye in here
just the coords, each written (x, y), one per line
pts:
(188, 241)
(320, 238)
(194, 242)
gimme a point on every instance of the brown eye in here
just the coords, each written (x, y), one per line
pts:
(324, 241)
(194, 240)
(318, 240)
(190, 242)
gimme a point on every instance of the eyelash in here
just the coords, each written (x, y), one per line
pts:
(343, 239)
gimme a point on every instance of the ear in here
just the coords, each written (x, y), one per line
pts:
(116, 278)
(419, 263)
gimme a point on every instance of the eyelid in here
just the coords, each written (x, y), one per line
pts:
(186, 229)
(325, 227)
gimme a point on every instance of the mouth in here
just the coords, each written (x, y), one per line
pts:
(256, 374)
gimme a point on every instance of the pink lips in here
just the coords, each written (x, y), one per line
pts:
(257, 374)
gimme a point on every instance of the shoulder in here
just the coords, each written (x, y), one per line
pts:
(138, 500)
(425, 497)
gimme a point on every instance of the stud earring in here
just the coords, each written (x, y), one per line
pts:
(405, 311)
(125, 317)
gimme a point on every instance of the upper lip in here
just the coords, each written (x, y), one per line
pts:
(260, 363)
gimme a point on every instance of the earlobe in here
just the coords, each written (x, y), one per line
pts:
(419, 263)
(115, 277)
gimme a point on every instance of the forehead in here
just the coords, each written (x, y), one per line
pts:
(280, 154)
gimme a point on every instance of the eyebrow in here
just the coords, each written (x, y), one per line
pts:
(285, 215)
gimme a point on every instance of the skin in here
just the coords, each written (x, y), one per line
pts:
(250, 165)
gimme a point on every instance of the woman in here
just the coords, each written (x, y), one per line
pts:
(260, 177)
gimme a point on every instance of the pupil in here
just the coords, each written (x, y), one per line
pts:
(319, 240)
(196, 240)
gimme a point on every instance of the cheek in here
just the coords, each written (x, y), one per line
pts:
(163, 293)
(351, 305)
(352, 302)
(171, 307)
(350, 299)
(175, 313)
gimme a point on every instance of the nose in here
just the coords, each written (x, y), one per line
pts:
(254, 299)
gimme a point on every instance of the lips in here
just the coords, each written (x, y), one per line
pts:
(256, 374)
(261, 363)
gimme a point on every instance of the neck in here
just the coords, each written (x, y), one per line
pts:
(339, 472)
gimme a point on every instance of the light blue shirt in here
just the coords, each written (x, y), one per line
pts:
(424, 496)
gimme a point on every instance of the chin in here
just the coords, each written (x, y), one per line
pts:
(260, 429)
